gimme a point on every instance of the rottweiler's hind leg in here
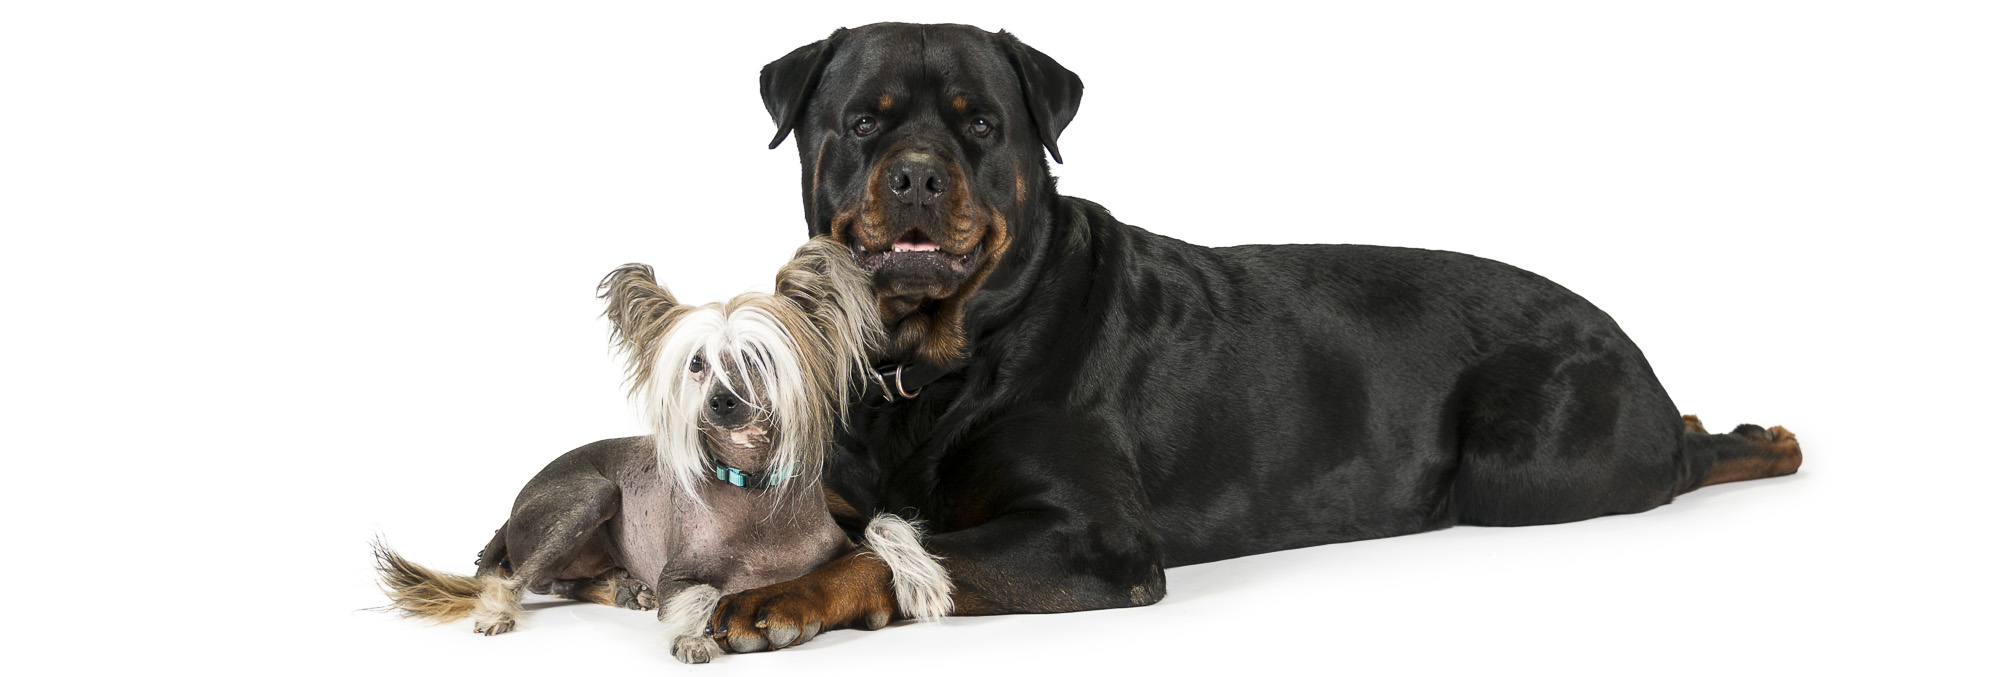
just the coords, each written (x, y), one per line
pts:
(1749, 452)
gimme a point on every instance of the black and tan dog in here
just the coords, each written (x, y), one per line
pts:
(743, 397)
(1077, 403)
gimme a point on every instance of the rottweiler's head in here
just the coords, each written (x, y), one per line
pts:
(921, 149)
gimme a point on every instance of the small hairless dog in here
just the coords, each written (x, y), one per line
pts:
(743, 398)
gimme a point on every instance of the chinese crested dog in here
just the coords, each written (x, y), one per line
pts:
(743, 398)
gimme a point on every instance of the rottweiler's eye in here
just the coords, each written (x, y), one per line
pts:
(696, 365)
(981, 128)
(864, 126)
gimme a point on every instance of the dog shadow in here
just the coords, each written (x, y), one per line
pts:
(1193, 583)
(552, 603)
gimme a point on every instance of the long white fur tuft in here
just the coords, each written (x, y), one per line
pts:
(923, 587)
(689, 610)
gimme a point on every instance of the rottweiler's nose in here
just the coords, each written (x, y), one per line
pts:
(917, 178)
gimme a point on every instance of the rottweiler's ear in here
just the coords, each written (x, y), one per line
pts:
(789, 82)
(1052, 92)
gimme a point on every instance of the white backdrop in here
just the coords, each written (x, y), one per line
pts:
(280, 275)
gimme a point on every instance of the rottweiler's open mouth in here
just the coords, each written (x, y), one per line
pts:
(914, 241)
(915, 251)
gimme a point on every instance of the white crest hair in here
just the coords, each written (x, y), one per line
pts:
(746, 339)
(804, 346)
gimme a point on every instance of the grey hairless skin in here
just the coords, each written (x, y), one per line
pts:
(725, 497)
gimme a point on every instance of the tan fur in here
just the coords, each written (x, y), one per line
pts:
(946, 337)
(599, 591)
(840, 508)
(819, 159)
(418, 592)
(1780, 455)
(1692, 423)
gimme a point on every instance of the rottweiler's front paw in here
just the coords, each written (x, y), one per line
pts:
(851, 591)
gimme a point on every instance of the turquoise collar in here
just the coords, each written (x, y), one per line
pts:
(768, 479)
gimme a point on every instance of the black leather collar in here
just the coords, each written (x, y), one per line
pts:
(903, 380)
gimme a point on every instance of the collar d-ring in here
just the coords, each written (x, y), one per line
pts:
(899, 386)
(903, 380)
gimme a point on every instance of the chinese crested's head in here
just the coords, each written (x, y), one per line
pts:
(748, 391)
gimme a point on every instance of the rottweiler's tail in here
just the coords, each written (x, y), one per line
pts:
(1750, 452)
(492, 599)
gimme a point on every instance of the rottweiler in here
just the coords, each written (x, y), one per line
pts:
(1074, 404)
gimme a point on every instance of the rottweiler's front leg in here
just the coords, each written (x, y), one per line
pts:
(1016, 564)
(1055, 546)
(854, 590)
(889, 576)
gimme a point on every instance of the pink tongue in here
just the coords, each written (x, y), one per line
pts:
(902, 246)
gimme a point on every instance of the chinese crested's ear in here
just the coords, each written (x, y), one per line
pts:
(834, 293)
(641, 313)
(653, 330)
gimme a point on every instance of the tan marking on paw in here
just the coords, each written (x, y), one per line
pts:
(1692, 423)
(1778, 455)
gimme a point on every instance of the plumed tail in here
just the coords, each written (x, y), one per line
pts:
(416, 591)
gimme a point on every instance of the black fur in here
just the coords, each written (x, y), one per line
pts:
(1124, 402)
